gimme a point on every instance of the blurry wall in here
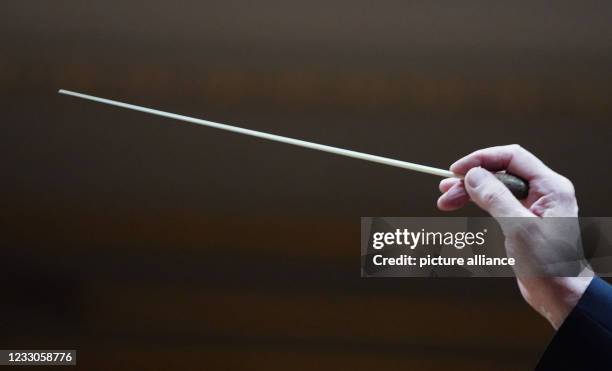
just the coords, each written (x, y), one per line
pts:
(151, 244)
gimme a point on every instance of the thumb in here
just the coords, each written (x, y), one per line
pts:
(492, 195)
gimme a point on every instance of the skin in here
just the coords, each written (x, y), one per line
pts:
(550, 195)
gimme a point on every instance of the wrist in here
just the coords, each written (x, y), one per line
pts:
(555, 297)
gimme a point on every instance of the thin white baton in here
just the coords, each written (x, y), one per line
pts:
(517, 186)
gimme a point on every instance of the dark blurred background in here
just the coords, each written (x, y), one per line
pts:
(150, 244)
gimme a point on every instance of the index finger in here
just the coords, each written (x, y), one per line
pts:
(513, 158)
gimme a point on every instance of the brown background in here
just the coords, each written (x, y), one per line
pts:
(147, 244)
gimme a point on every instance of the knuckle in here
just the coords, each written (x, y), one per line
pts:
(514, 147)
(517, 148)
(565, 187)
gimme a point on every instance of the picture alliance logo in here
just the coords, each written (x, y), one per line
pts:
(412, 239)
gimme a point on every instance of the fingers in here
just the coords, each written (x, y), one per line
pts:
(513, 158)
(454, 195)
(492, 195)
(448, 183)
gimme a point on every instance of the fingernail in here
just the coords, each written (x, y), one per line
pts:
(476, 176)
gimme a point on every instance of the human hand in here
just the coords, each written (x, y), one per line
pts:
(550, 195)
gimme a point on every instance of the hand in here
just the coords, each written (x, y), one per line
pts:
(550, 195)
